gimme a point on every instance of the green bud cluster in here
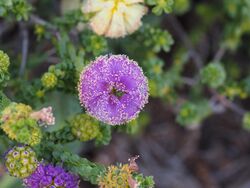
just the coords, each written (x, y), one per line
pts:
(213, 75)
(144, 181)
(116, 176)
(84, 127)
(161, 6)
(234, 89)
(49, 80)
(21, 161)
(246, 121)
(162, 83)
(238, 24)
(155, 38)
(4, 65)
(187, 114)
(94, 44)
(17, 124)
(158, 84)
(193, 113)
(19, 8)
(4, 62)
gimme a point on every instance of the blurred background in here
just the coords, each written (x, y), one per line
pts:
(194, 132)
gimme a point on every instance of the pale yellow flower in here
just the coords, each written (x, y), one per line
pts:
(115, 18)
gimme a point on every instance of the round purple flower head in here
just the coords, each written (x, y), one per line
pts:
(113, 89)
(50, 176)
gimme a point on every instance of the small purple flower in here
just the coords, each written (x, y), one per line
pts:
(50, 176)
(113, 89)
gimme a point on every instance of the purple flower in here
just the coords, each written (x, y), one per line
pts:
(113, 89)
(50, 176)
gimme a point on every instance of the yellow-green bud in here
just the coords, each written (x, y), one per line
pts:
(116, 176)
(18, 125)
(4, 62)
(49, 80)
(246, 121)
(40, 93)
(21, 161)
(84, 127)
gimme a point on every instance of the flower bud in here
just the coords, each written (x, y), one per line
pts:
(116, 176)
(49, 80)
(4, 62)
(84, 127)
(21, 161)
(213, 75)
(19, 126)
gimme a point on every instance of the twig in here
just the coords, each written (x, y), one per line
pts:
(189, 81)
(184, 38)
(220, 53)
(25, 46)
(229, 104)
(37, 20)
(198, 60)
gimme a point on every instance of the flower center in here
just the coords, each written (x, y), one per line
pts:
(117, 92)
(116, 5)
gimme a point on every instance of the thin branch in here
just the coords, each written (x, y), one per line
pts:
(189, 81)
(25, 46)
(39, 21)
(228, 104)
(219, 54)
(198, 60)
(185, 39)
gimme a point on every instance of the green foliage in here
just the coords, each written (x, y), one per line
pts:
(181, 6)
(162, 83)
(104, 136)
(144, 182)
(193, 113)
(137, 125)
(246, 85)
(60, 136)
(234, 89)
(161, 6)
(72, 18)
(94, 45)
(19, 8)
(213, 75)
(238, 25)
(155, 38)
(89, 171)
(246, 121)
